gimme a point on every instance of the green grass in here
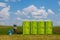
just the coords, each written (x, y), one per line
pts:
(4, 29)
(56, 30)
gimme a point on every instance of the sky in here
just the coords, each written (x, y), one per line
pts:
(16, 11)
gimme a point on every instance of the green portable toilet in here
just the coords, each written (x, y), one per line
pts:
(49, 26)
(41, 27)
(26, 27)
(33, 27)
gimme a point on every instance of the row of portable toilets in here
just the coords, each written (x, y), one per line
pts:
(37, 27)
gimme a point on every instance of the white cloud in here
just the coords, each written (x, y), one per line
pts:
(19, 18)
(30, 8)
(58, 2)
(50, 11)
(22, 13)
(18, 12)
(4, 13)
(2, 23)
(32, 12)
(58, 23)
(37, 13)
(3, 4)
(41, 13)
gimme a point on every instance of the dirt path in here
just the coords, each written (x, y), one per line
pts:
(30, 37)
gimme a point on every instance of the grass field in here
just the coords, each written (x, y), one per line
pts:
(4, 36)
(4, 29)
(56, 30)
(30, 37)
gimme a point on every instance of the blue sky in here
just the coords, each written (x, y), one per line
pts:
(16, 11)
